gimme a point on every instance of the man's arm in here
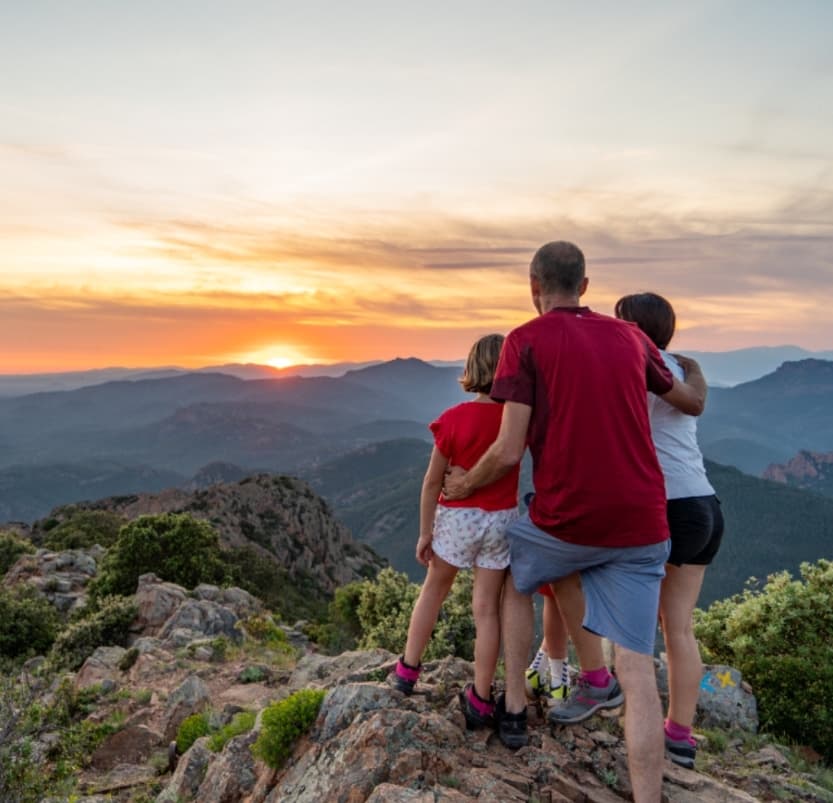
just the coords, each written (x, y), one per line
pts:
(505, 453)
(690, 396)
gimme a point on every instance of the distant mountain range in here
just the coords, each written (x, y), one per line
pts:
(771, 419)
(137, 435)
(722, 368)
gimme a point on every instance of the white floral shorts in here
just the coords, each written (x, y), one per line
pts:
(471, 536)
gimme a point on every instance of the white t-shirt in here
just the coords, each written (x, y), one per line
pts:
(675, 439)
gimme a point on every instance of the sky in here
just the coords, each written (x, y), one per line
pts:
(193, 183)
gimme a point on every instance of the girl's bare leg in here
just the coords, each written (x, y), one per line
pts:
(488, 584)
(434, 590)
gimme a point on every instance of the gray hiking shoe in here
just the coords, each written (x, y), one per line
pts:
(585, 700)
(681, 751)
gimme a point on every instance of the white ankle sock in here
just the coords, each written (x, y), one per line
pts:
(556, 668)
(538, 660)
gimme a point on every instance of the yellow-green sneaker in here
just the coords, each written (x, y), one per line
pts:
(536, 682)
(555, 695)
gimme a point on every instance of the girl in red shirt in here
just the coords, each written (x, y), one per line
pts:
(464, 534)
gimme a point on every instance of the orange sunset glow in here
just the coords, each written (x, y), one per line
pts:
(190, 188)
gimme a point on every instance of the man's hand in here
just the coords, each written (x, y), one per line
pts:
(690, 396)
(424, 550)
(688, 364)
(455, 486)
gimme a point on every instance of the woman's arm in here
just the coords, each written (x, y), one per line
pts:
(432, 484)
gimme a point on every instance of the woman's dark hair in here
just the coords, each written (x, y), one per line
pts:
(651, 313)
(481, 364)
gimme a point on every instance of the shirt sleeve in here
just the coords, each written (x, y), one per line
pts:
(658, 378)
(515, 374)
(441, 429)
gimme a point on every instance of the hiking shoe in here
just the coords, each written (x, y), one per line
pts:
(555, 695)
(479, 713)
(511, 728)
(681, 751)
(585, 701)
(536, 682)
(404, 676)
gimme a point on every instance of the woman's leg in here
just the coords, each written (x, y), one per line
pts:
(485, 603)
(680, 590)
(434, 590)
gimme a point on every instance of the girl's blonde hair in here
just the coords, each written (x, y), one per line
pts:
(481, 364)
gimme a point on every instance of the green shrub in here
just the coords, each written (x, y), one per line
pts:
(284, 723)
(175, 547)
(781, 639)
(191, 729)
(83, 529)
(384, 612)
(265, 579)
(106, 624)
(12, 546)
(28, 623)
(252, 674)
(241, 723)
(342, 630)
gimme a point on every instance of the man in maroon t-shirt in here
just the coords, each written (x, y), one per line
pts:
(574, 385)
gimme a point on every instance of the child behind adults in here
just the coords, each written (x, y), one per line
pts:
(694, 520)
(456, 535)
(548, 675)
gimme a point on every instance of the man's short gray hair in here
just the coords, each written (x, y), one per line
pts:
(559, 268)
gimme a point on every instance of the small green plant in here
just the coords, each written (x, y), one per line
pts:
(241, 723)
(107, 624)
(28, 623)
(191, 729)
(12, 547)
(716, 740)
(253, 674)
(284, 723)
(128, 659)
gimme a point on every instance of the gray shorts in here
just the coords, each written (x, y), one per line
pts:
(621, 584)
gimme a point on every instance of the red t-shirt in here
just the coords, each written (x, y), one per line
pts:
(463, 433)
(595, 471)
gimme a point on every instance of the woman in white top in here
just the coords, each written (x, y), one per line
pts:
(695, 522)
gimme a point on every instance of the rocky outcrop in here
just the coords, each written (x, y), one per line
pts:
(276, 515)
(62, 577)
(812, 471)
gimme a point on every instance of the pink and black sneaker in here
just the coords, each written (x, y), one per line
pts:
(404, 676)
(479, 713)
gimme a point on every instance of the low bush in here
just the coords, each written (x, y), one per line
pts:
(284, 723)
(28, 623)
(12, 546)
(781, 639)
(192, 728)
(384, 612)
(265, 579)
(175, 547)
(83, 529)
(241, 723)
(106, 624)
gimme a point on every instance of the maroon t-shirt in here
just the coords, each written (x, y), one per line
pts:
(596, 475)
(462, 434)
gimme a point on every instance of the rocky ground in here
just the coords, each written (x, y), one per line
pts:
(205, 651)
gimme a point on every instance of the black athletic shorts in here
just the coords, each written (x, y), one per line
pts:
(696, 524)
